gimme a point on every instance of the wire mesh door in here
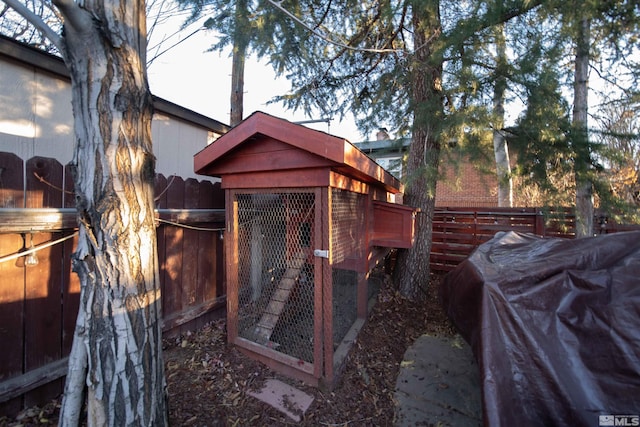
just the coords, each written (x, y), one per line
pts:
(275, 280)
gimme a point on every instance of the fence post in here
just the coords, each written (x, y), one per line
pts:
(539, 227)
(475, 227)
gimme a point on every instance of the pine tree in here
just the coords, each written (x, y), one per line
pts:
(383, 61)
(597, 36)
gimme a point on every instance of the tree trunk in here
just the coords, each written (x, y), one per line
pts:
(412, 269)
(237, 87)
(117, 350)
(500, 148)
(584, 185)
(237, 64)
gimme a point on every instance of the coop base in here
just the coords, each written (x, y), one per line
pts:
(304, 371)
(278, 362)
(343, 350)
(341, 353)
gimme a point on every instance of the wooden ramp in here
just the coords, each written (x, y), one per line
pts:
(276, 305)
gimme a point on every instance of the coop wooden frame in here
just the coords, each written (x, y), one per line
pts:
(265, 154)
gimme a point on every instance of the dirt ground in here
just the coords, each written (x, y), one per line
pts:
(208, 379)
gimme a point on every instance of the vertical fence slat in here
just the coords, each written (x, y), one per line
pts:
(43, 316)
(218, 197)
(11, 280)
(210, 278)
(161, 203)
(69, 200)
(43, 311)
(221, 277)
(190, 250)
(172, 303)
(11, 181)
(207, 272)
(11, 315)
(70, 295)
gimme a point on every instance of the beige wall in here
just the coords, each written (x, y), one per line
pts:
(36, 120)
(35, 113)
(175, 142)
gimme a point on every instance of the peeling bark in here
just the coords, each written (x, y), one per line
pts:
(117, 339)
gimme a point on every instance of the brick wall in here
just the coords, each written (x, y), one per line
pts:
(464, 183)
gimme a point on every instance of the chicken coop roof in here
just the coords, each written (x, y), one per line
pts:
(290, 146)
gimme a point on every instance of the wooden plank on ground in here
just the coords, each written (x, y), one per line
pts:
(17, 386)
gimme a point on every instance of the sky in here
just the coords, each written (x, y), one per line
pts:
(193, 78)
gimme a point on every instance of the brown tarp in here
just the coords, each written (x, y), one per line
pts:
(554, 325)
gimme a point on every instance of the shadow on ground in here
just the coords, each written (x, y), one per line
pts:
(438, 384)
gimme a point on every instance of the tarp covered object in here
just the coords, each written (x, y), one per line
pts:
(555, 327)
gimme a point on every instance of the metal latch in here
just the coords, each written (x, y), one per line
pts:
(322, 253)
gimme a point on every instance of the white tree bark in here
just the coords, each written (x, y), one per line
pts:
(500, 148)
(76, 374)
(584, 186)
(116, 357)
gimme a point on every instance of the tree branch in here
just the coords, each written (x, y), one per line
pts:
(498, 14)
(74, 16)
(36, 21)
(317, 33)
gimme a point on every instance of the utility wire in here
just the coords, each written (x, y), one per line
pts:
(189, 227)
(55, 242)
(36, 248)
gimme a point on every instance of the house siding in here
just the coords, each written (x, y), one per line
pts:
(37, 119)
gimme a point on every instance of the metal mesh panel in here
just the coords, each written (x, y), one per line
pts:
(347, 233)
(275, 276)
(347, 225)
(345, 305)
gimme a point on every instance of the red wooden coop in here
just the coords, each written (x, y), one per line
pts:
(308, 216)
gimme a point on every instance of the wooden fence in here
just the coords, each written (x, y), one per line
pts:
(458, 231)
(39, 303)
